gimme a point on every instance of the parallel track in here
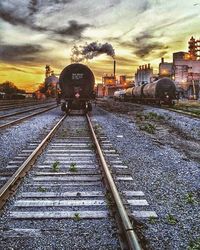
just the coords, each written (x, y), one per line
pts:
(23, 111)
(16, 121)
(12, 106)
(179, 111)
(66, 151)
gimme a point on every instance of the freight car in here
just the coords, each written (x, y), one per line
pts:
(162, 91)
(119, 94)
(76, 82)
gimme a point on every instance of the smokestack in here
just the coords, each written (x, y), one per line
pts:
(162, 60)
(114, 67)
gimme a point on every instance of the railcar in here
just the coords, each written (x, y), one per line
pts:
(119, 95)
(76, 83)
(162, 91)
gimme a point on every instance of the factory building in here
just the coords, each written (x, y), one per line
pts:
(144, 74)
(165, 69)
(111, 83)
(185, 69)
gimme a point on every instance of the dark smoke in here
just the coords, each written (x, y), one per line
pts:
(89, 51)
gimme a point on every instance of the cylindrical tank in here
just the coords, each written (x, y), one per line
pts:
(77, 79)
(160, 89)
(137, 91)
(129, 91)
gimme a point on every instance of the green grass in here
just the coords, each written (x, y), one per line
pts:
(152, 220)
(171, 219)
(108, 198)
(154, 116)
(73, 167)
(192, 107)
(194, 245)
(190, 199)
(41, 189)
(77, 217)
(151, 116)
(55, 166)
(148, 127)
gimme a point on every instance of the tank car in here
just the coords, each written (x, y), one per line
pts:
(162, 91)
(129, 94)
(76, 82)
(119, 95)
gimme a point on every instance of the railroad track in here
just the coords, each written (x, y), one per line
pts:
(183, 112)
(15, 118)
(11, 106)
(186, 113)
(74, 184)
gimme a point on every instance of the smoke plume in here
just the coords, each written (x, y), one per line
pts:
(91, 50)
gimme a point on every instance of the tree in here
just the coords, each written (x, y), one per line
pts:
(10, 88)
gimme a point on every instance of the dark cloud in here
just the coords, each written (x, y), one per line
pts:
(13, 15)
(145, 6)
(10, 18)
(145, 44)
(62, 1)
(33, 6)
(148, 48)
(126, 61)
(74, 29)
(19, 53)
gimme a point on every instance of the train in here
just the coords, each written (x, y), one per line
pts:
(162, 91)
(76, 84)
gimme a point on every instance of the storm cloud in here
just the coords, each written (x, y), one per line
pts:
(19, 53)
(145, 44)
(74, 29)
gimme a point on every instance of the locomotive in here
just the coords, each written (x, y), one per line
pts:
(76, 83)
(162, 91)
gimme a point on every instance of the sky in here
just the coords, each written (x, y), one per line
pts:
(34, 33)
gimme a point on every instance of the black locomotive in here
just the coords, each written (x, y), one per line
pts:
(162, 91)
(77, 87)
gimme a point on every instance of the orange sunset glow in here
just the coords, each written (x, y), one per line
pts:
(37, 33)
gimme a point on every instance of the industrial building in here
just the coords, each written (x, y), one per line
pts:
(111, 83)
(144, 74)
(185, 69)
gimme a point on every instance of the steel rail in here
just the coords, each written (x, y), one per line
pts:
(19, 105)
(128, 228)
(10, 186)
(25, 117)
(183, 112)
(25, 111)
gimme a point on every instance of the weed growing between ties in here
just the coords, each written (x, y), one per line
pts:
(190, 199)
(152, 220)
(73, 167)
(77, 217)
(92, 147)
(108, 198)
(55, 166)
(171, 219)
(41, 189)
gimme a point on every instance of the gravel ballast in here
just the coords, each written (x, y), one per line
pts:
(162, 169)
(17, 137)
